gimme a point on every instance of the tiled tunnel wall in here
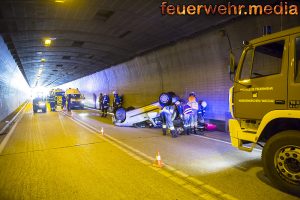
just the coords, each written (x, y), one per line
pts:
(14, 90)
(198, 64)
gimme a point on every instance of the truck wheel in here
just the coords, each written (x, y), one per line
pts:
(281, 160)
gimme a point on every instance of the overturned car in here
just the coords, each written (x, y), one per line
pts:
(150, 115)
(146, 116)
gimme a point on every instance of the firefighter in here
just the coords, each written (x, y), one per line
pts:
(63, 101)
(167, 114)
(69, 102)
(51, 100)
(116, 101)
(105, 105)
(100, 101)
(179, 109)
(192, 102)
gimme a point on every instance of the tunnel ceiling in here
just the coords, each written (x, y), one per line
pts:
(88, 35)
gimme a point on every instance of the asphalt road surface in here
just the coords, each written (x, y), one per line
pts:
(79, 155)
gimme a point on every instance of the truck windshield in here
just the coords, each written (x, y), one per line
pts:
(75, 96)
(267, 59)
(264, 60)
(297, 61)
(60, 94)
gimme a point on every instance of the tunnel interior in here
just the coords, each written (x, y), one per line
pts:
(124, 46)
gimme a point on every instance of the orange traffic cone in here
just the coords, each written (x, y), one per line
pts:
(158, 162)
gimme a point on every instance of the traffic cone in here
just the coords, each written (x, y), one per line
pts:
(158, 162)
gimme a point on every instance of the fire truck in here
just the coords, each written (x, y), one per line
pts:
(265, 105)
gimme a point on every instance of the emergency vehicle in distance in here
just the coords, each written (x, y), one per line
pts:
(265, 105)
(57, 99)
(74, 98)
(39, 104)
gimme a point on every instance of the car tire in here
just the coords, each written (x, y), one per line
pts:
(120, 115)
(281, 160)
(165, 99)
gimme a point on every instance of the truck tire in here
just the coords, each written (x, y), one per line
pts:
(281, 160)
(120, 115)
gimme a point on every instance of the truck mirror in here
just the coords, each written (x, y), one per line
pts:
(232, 63)
(232, 66)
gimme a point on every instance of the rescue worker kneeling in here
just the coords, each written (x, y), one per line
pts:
(167, 115)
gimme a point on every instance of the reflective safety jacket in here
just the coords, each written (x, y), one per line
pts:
(105, 101)
(117, 100)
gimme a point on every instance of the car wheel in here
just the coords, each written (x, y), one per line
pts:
(120, 115)
(281, 160)
(165, 99)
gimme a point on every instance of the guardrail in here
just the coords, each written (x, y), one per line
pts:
(13, 119)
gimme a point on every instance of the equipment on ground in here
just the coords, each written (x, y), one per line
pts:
(265, 105)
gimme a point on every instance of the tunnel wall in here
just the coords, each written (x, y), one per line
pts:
(14, 90)
(198, 64)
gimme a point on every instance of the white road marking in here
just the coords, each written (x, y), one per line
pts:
(184, 178)
(222, 141)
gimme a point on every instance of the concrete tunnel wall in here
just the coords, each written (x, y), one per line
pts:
(198, 64)
(14, 89)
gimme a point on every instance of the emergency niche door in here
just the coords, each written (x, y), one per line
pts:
(294, 74)
(261, 80)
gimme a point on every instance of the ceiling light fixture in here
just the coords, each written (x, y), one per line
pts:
(43, 60)
(47, 42)
(59, 1)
